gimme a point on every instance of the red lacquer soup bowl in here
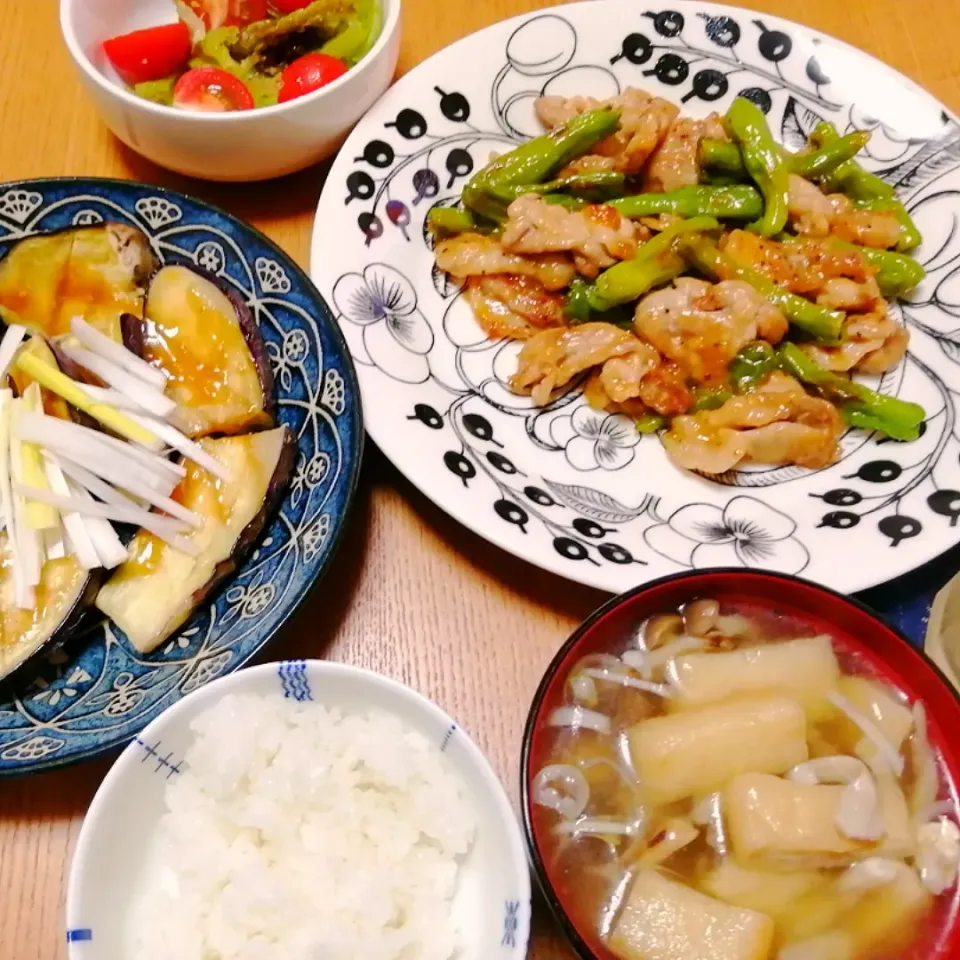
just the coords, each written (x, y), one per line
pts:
(861, 640)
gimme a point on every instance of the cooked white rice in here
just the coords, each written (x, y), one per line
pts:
(301, 833)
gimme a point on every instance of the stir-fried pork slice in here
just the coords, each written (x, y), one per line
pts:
(597, 235)
(803, 266)
(513, 307)
(778, 423)
(870, 343)
(816, 214)
(622, 377)
(644, 122)
(842, 293)
(869, 228)
(630, 385)
(552, 358)
(555, 111)
(676, 163)
(702, 326)
(475, 255)
(713, 128)
(665, 390)
(589, 163)
(598, 398)
(810, 209)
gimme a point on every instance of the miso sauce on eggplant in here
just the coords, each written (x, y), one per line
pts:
(159, 587)
(210, 347)
(64, 591)
(727, 783)
(98, 273)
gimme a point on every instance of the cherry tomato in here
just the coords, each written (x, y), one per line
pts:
(149, 54)
(309, 73)
(247, 11)
(211, 90)
(288, 6)
(228, 13)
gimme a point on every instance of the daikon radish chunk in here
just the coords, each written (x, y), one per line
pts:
(885, 921)
(697, 751)
(861, 910)
(900, 841)
(831, 946)
(665, 920)
(778, 824)
(891, 717)
(762, 890)
(805, 669)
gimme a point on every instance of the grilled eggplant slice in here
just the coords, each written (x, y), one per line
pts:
(64, 593)
(97, 272)
(206, 340)
(158, 588)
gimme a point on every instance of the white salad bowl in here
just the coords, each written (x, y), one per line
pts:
(245, 145)
(492, 903)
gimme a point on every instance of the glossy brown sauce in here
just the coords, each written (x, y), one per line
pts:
(47, 281)
(192, 334)
(23, 631)
(199, 491)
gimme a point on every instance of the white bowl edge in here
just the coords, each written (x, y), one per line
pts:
(105, 869)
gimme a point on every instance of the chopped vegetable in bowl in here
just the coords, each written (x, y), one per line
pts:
(228, 55)
(693, 275)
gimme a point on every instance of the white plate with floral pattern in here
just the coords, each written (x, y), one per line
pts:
(579, 492)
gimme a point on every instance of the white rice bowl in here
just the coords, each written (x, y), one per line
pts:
(296, 831)
(361, 823)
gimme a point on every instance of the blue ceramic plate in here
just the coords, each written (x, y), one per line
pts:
(97, 692)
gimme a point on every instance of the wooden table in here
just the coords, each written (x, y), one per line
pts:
(412, 594)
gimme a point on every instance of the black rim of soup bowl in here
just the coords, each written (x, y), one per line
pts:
(750, 577)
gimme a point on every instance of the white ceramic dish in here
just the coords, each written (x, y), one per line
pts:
(572, 490)
(246, 145)
(493, 896)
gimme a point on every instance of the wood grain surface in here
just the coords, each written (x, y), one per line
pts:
(412, 594)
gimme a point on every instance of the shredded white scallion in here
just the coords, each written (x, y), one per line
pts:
(869, 730)
(579, 717)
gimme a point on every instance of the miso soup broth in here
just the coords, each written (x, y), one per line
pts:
(731, 784)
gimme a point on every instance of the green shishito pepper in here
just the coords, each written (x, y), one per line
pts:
(764, 162)
(897, 274)
(709, 398)
(650, 423)
(566, 201)
(910, 236)
(849, 177)
(725, 158)
(819, 322)
(739, 202)
(600, 183)
(859, 405)
(722, 157)
(537, 160)
(449, 221)
(752, 365)
(866, 189)
(654, 264)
